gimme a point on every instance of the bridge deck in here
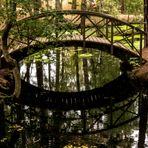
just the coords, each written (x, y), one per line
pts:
(21, 50)
(101, 41)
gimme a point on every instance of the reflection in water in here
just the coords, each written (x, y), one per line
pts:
(74, 70)
(101, 68)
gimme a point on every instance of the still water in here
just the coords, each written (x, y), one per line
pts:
(101, 69)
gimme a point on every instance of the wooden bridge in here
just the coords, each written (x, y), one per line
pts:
(88, 30)
(81, 28)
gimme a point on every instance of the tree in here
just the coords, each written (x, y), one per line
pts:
(122, 6)
(143, 111)
(74, 4)
(11, 18)
(12, 67)
(146, 22)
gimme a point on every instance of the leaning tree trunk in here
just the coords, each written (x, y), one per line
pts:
(12, 67)
(5, 47)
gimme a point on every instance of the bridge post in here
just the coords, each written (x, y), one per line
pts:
(83, 30)
(132, 38)
(83, 7)
(141, 47)
(112, 36)
(107, 26)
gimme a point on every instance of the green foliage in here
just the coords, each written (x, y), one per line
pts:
(134, 6)
(15, 127)
(113, 7)
(3, 140)
(108, 6)
(134, 62)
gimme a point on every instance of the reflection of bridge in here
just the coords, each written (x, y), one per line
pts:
(88, 30)
(119, 90)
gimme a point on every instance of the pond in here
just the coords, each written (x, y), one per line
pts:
(71, 69)
(73, 65)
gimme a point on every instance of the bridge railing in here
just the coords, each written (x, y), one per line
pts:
(57, 25)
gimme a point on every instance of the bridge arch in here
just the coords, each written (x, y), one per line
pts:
(91, 28)
(24, 45)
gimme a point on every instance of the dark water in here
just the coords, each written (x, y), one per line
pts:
(56, 128)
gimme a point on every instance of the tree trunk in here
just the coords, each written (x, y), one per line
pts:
(2, 120)
(37, 5)
(27, 74)
(57, 113)
(11, 18)
(143, 121)
(122, 3)
(39, 72)
(62, 87)
(49, 72)
(146, 22)
(93, 71)
(57, 70)
(77, 70)
(85, 73)
(1, 3)
(6, 86)
(83, 5)
(43, 119)
(58, 4)
(74, 4)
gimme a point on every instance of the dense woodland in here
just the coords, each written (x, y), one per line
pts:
(65, 69)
